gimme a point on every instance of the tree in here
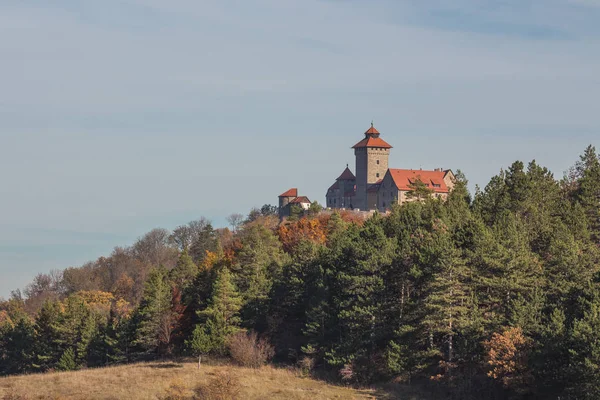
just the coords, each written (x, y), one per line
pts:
(315, 208)
(507, 357)
(155, 249)
(588, 189)
(357, 264)
(17, 347)
(257, 262)
(220, 319)
(156, 317)
(419, 190)
(205, 241)
(269, 210)
(67, 361)
(235, 221)
(185, 235)
(184, 272)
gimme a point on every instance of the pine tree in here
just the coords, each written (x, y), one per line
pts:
(184, 272)
(17, 347)
(588, 189)
(257, 263)
(220, 319)
(155, 315)
(67, 361)
(358, 297)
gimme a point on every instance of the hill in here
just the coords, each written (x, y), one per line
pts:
(159, 380)
(490, 296)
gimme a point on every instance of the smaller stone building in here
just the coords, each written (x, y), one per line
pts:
(341, 194)
(289, 199)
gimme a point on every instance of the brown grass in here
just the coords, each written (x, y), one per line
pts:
(171, 380)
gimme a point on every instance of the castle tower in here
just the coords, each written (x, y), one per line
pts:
(372, 155)
(284, 201)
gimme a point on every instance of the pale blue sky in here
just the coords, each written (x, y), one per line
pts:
(119, 116)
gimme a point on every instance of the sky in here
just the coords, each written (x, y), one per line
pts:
(120, 116)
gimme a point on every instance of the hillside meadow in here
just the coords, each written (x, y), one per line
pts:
(179, 380)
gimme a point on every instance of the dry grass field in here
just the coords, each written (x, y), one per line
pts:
(176, 381)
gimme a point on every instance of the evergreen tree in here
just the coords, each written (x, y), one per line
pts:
(156, 319)
(17, 347)
(67, 361)
(220, 319)
(588, 189)
(184, 272)
(258, 262)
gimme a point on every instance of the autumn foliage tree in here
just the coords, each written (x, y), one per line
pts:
(507, 356)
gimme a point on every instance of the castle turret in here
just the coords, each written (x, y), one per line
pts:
(285, 200)
(372, 154)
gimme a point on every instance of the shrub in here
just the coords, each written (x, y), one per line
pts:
(306, 364)
(223, 386)
(248, 350)
(176, 391)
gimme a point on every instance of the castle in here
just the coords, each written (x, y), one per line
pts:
(375, 186)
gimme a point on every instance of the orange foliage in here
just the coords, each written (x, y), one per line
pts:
(352, 217)
(304, 229)
(507, 355)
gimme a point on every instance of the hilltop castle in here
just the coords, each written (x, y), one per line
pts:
(375, 186)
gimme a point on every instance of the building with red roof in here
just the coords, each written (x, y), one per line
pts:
(290, 198)
(376, 187)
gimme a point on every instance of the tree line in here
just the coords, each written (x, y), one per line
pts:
(491, 295)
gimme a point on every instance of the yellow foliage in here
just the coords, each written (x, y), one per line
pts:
(123, 308)
(96, 297)
(5, 319)
(209, 261)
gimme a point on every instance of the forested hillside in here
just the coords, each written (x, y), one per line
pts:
(491, 295)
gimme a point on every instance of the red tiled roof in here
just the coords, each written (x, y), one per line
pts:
(290, 193)
(372, 131)
(371, 141)
(404, 177)
(301, 199)
(347, 175)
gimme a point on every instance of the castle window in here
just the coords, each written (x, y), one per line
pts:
(384, 203)
(377, 162)
(377, 174)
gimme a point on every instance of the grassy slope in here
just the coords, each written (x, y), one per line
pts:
(152, 381)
